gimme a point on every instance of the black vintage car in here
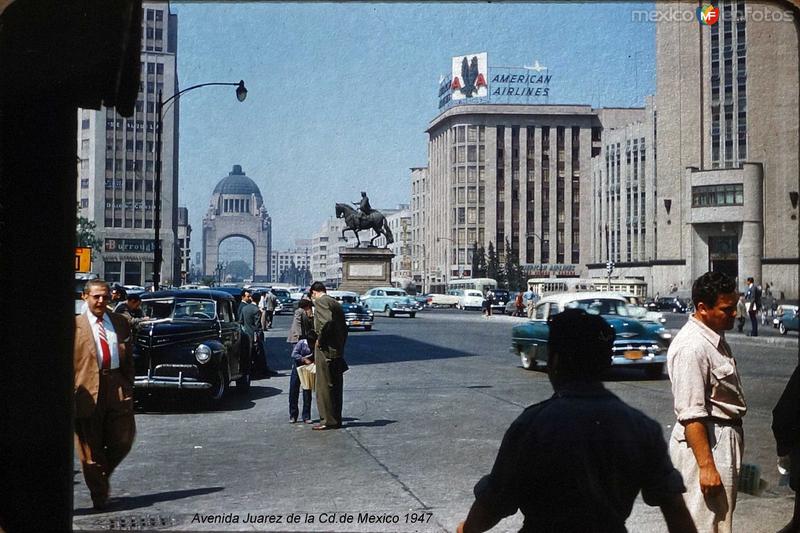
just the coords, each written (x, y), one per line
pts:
(192, 343)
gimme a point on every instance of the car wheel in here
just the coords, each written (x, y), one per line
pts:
(243, 383)
(782, 328)
(654, 371)
(219, 385)
(367, 328)
(412, 315)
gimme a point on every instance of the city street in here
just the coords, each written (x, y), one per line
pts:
(426, 403)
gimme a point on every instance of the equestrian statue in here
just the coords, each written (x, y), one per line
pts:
(364, 218)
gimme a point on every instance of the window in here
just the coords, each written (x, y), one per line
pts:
(112, 271)
(718, 195)
(84, 203)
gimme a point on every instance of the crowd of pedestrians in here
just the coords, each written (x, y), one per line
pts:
(570, 483)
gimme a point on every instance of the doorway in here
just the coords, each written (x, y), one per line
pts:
(723, 254)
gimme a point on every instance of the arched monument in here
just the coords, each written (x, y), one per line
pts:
(237, 210)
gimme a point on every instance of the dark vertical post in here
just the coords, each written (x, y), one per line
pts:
(38, 175)
(157, 200)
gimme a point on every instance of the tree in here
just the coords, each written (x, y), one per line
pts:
(238, 270)
(492, 264)
(475, 261)
(515, 274)
(85, 233)
(481, 270)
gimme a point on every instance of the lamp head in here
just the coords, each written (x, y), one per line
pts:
(241, 91)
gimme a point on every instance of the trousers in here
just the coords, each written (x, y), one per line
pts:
(710, 514)
(103, 439)
(329, 388)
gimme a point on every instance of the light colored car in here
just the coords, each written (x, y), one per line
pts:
(442, 300)
(390, 301)
(788, 318)
(469, 299)
(637, 343)
(192, 286)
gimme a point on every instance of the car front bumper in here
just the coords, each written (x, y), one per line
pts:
(172, 376)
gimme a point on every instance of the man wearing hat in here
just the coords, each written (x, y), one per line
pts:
(132, 310)
(577, 461)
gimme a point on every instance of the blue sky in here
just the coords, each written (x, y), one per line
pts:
(340, 94)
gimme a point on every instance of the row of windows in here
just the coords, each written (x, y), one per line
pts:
(128, 185)
(128, 223)
(718, 195)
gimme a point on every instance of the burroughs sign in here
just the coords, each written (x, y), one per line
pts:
(144, 246)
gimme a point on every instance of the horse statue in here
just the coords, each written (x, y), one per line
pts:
(355, 222)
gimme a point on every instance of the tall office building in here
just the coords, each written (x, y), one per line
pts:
(728, 122)
(515, 174)
(117, 165)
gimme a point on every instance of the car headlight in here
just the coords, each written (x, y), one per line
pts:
(664, 335)
(202, 353)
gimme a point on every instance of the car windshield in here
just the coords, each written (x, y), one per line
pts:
(347, 298)
(181, 308)
(600, 306)
(281, 293)
(637, 311)
(473, 293)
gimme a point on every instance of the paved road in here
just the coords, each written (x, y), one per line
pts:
(426, 403)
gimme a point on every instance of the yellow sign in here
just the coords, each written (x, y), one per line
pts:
(83, 259)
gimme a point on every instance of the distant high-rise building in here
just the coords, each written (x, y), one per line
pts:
(117, 164)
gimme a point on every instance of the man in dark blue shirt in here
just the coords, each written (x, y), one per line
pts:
(576, 462)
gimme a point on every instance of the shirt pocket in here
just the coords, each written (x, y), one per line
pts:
(725, 384)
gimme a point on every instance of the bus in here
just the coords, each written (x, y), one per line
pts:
(479, 284)
(545, 286)
(637, 287)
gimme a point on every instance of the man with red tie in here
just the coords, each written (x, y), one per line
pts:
(104, 373)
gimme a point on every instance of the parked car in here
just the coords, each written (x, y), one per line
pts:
(354, 312)
(670, 303)
(192, 343)
(285, 301)
(788, 317)
(637, 343)
(468, 298)
(390, 301)
(501, 298)
(442, 300)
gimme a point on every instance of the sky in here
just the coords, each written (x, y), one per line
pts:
(340, 94)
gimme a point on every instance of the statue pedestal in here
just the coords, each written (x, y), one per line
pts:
(364, 268)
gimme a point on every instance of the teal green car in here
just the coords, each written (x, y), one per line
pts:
(390, 301)
(637, 343)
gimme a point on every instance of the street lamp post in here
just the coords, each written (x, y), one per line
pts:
(241, 94)
(447, 255)
(424, 270)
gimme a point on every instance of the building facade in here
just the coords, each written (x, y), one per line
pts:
(419, 211)
(116, 169)
(325, 246)
(728, 122)
(400, 224)
(184, 268)
(299, 256)
(516, 176)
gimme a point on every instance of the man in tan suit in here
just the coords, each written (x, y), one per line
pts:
(104, 374)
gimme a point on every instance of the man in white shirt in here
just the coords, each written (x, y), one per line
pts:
(707, 442)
